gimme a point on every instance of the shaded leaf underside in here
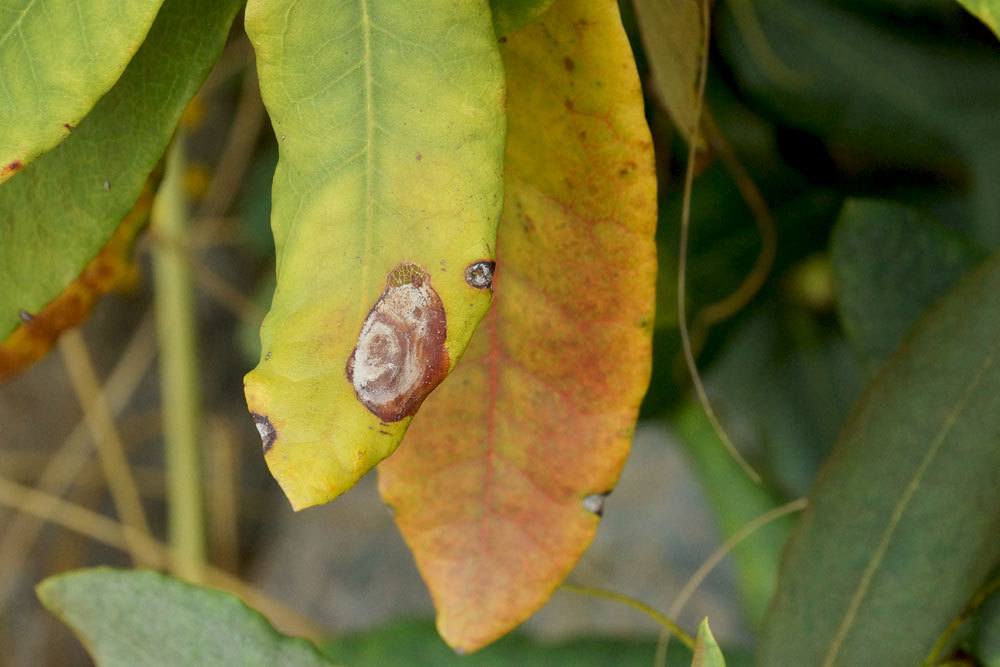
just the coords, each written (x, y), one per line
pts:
(497, 484)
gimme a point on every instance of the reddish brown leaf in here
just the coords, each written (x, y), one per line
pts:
(499, 484)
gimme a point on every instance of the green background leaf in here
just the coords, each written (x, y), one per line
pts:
(416, 644)
(736, 500)
(878, 96)
(146, 619)
(890, 263)
(56, 60)
(902, 526)
(62, 209)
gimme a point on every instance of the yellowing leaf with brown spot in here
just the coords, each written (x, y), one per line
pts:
(499, 483)
(389, 118)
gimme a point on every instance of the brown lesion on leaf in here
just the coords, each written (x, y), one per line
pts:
(268, 434)
(111, 268)
(569, 64)
(400, 355)
(480, 274)
(11, 168)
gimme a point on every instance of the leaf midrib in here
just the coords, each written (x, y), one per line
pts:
(850, 616)
(369, 83)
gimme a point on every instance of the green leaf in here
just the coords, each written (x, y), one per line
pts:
(879, 300)
(902, 523)
(988, 12)
(886, 97)
(146, 619)
(736, 500)
(706, 651)
(988, 636)
(416, 644)
(62, 209)
(390, 122)
(512, 15)
(56, 60)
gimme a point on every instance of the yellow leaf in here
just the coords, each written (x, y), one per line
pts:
(389, 117)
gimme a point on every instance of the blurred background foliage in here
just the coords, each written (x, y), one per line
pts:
(841, 113)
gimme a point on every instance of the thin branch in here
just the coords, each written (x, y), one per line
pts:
(717, 557)
(755, 279)
(682, 262)
(668, 625)
(101, 422)
(107, 531)
(240, 143)
(179, 385)
(65, 465)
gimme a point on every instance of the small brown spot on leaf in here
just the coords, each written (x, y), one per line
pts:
(569, 104)
(69, 128)
(569, 64)
(266, 429)
(480, 274)
(419, 157)
(400, 355)
(16, 165)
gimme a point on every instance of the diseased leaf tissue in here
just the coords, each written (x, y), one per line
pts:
(391, 125)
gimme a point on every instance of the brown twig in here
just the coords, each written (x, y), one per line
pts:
(101, 422)
(107, 531)
(682, 264)
(73, 455)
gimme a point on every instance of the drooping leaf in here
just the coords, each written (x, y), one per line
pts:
(879, 96)
(500, 484)
(45, 91)
(736, 500)
(706, 650)
(672, 36)
(890, 263)
(146, 619)
(512, 15)
(60, 211)
(389, 117)
(902, 523)
(988, 12)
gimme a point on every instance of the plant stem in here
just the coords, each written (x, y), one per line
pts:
(638, 605)
(110, 448)
(179, 386)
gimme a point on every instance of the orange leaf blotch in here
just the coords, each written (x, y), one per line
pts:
(499, 483)
(111, 268)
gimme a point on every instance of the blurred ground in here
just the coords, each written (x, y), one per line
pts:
(344, 564)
